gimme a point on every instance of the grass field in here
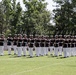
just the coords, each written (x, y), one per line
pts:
(43, 65)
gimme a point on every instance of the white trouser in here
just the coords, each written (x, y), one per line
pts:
(46, 50)
(42, 51)
(5, 46)
(24, 48)
(60, 50)
(19, 51)
(15, 49)
(51, 49)
(1, 50)
(31, 51)
(68, 51)
(72, 51)
(56, 51)
(37, 51)
(11, 44)
(75, 51)
(9, 49)
(65, 52)
(68, 54)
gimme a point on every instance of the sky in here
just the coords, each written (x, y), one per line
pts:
(49, 6)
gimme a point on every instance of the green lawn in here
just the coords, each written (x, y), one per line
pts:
(43, 65)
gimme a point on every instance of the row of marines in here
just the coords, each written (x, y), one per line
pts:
(57, 46)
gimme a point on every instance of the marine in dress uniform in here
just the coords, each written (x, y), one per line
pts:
(68, 46)
(56, 45)
(37, 46)
(47, 45)
(9, 43)
(31, 45)
(65, 46)
(24, 44)
(2, 44)
(42, 45)
(72, 46)
(75, 44)
(15, 44)
(60, 45)
(19, 45)
(52, 40)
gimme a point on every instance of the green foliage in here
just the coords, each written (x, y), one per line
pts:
(33, 20)
(1, 18)
(15, 20)
(65, 17)
(36, 17)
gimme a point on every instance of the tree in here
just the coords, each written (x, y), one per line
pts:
(15, 20)
(7, 6)
(64, 15)
(12, 16)
(36, 17)
(1, 18)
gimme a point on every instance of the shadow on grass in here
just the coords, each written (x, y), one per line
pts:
(15, 56)
(71, 65)
(51, 56)
(62, 57)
